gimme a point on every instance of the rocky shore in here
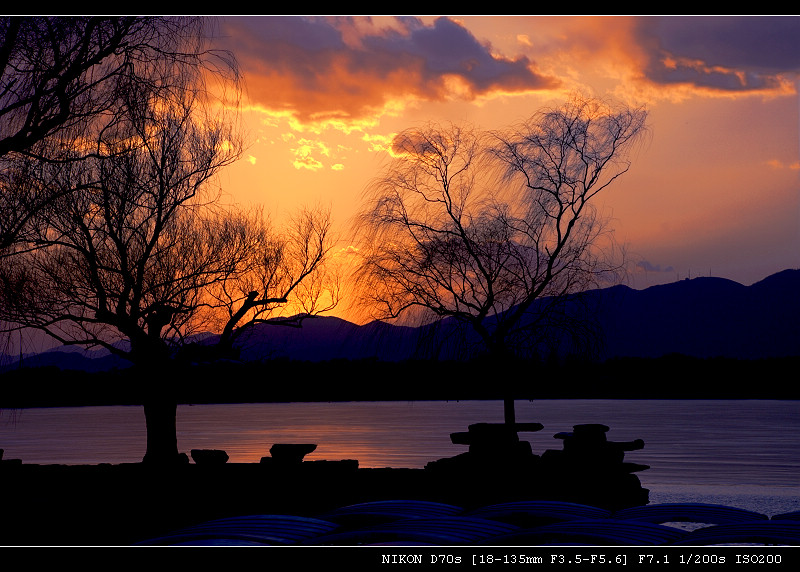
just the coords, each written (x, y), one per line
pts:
(119, 505)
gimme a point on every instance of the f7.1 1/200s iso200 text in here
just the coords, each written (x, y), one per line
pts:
(607, 560)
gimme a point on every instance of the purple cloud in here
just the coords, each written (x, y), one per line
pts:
(730, 53)
(306, 64)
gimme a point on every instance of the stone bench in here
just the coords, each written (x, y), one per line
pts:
(479, 433)
(588, 444)
(288, 453)
(209, 456)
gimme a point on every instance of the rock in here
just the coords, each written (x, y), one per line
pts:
(492, 433)
(291, 452)
(209, 456)
(590, 431)
(9, 462)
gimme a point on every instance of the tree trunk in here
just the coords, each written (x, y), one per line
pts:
(500, 356)
(157, 377)
(160, 413)
(162, 433)
(509, 413)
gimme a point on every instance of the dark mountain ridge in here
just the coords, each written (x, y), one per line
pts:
(701, 317)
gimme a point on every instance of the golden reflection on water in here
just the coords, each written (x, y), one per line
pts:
(686, 442)
(365, 432)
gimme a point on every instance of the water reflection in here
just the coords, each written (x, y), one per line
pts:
(686, 442)
(378, 434)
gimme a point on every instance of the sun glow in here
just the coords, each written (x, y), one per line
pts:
(324, 126)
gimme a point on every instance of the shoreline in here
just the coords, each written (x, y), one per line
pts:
(668, 377)
(131, 502)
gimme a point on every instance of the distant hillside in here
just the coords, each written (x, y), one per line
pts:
(701, 317)
(704, 317)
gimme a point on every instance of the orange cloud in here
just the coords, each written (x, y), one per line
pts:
(778, 164)
(656, 58)
(321, 69)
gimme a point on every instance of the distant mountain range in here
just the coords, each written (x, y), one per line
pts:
(700, 317)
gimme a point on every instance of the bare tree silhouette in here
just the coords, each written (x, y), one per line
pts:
(284, 277)
(60, 82)
(134, 251)
(477, 227)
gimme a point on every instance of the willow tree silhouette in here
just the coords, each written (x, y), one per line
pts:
(477, 227)
(60, 82)
(133, 250)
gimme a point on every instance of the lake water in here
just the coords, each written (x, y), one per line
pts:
(742, 453)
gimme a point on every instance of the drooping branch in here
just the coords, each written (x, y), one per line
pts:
(442, 234)
(290, 271)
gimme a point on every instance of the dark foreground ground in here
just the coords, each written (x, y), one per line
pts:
(98, 505)
(119, 505)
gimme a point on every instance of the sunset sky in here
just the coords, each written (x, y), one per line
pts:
(714, 191)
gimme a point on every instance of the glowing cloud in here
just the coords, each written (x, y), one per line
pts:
(318, 69)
